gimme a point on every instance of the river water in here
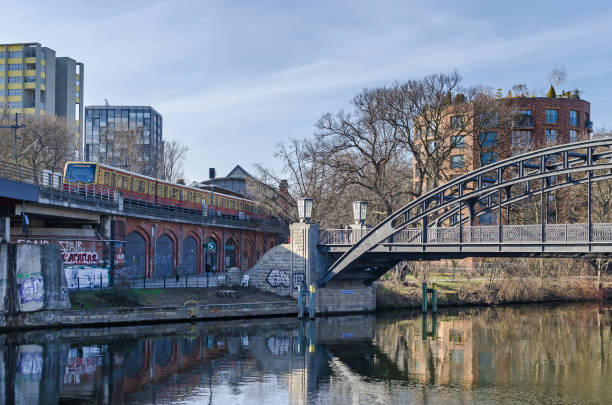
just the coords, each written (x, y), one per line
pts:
(510, 355)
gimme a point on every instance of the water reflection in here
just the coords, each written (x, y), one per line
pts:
(494, 355)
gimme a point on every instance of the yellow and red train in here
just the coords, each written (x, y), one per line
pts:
(149, 190)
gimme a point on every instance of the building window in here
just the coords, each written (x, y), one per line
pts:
(15, 54)
(552, 116)
(573, 135)
(2, 54)
(431, 146)
(15, 92)
(488, 120)
(457, 122)
(457, 162)
(2, 67)
(574, 121)
(488, 139)
(521, 139)
(458, 142)
(15, 66)
(551, 136)
(489, 218)
(30, 79)
(14, 79)
(522, 118)
(14, 104)
(488, 158)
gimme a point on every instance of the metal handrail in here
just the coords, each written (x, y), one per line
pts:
(553, 233)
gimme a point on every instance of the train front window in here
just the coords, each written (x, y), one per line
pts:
(81, 173)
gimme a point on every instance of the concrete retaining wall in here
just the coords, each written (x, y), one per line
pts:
(31, 279)
(131, 316)
(286, 266)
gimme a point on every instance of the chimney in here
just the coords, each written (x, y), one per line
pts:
(284, 186)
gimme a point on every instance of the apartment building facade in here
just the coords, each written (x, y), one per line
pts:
(33, 80)
(102, 122)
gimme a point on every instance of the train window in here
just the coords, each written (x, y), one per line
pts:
(174, 192)
(141, 186)
(107, 178)
(180, 194)
(166, 191)
(233, 204)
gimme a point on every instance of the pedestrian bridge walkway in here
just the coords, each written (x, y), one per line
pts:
(550, 233)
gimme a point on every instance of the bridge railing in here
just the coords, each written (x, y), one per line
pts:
(12, 171)
(553, 233)
(341, 236)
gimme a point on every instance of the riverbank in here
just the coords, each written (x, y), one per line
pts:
(392, 294)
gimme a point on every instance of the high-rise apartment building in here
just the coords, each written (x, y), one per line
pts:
(103, 122)
(34, 81)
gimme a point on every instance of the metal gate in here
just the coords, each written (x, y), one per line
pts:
(189, 261)
(136, 254)
(164, 256)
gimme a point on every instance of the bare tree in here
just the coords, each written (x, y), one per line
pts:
(124, 149)
(46, 142)
(365, 151)
(557, 76)
(171, 164)
(433, 117)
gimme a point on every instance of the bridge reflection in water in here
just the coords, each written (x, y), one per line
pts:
(527, 354)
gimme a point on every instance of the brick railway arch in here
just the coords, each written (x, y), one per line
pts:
(189, 255)
(487, 189)
(164, 256)
(137, 252)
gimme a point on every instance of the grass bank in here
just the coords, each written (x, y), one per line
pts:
(393, 294)
(169, 297)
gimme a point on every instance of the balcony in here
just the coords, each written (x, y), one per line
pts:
(588, 124)
(522, 121)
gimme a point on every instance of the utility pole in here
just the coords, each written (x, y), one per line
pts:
(211, 176)
(14, 127)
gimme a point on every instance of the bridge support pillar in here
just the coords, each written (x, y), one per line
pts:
(5, 229)
(336, 296)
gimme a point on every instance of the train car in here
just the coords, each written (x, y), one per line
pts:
(137, 189)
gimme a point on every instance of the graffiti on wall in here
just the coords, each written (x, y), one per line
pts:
(30, 287)
(298, 279)
(278, 278)
(278, 345)
(86, 262)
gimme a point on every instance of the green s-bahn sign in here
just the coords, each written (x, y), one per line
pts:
(211, 245)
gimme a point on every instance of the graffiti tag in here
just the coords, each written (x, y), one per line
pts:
(31, 289)
(278, 345)
(298, 279)
(278, 278)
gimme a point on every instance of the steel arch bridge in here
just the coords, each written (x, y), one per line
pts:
(422, 229)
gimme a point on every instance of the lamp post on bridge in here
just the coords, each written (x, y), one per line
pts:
(304, 206)
(360, 211)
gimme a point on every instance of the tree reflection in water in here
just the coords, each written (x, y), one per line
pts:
(533, 354)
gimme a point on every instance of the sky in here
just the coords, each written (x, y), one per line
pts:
(233, 79)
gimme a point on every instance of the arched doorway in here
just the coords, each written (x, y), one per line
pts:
(230, 254)
(135, 254)
(189, 257)
(246, 258)
(210, 254)
(164, 256)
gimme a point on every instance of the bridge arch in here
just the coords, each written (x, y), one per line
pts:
(483, 191)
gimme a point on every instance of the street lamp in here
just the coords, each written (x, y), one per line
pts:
(305, 209)
(360, 209)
